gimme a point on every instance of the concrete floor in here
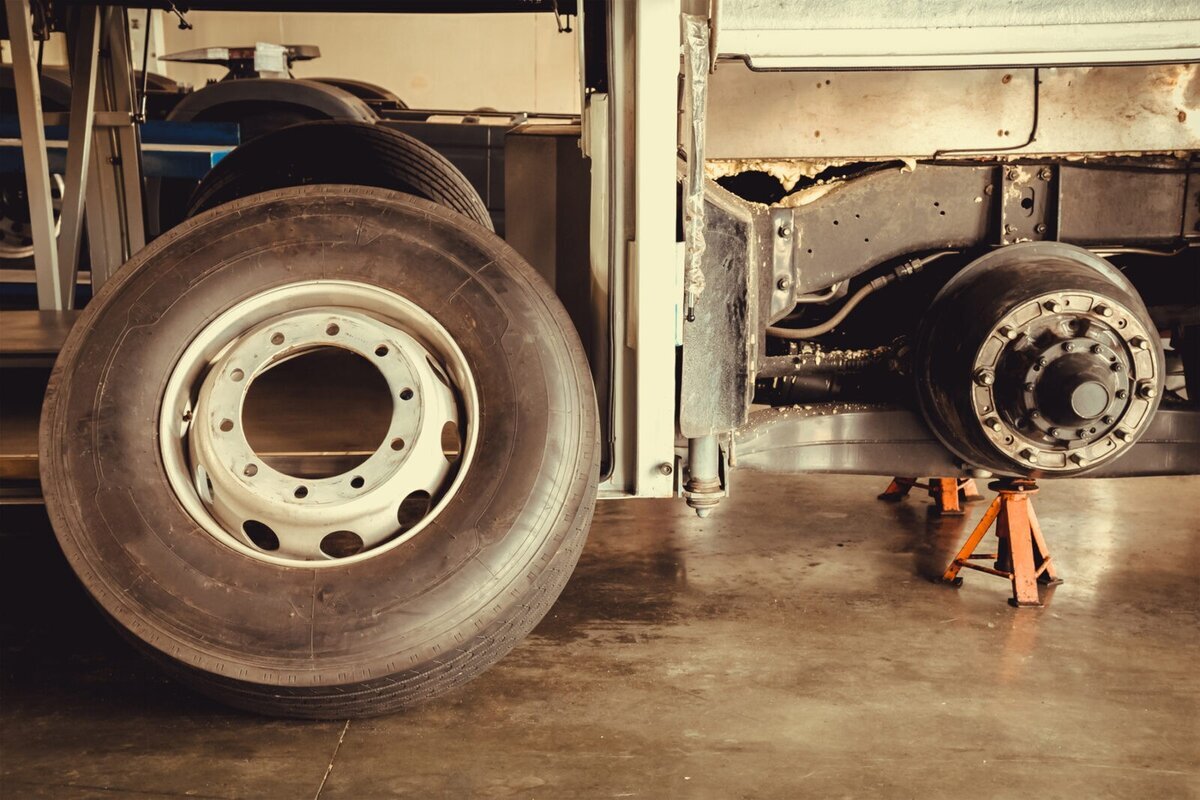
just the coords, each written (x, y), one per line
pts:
(789, 646)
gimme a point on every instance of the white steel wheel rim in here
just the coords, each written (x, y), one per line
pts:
(233, 494)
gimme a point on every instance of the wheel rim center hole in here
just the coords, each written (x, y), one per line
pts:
(317, 414)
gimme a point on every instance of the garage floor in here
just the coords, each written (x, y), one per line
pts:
(788, 646)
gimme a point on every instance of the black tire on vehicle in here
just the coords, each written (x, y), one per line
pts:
(340, 151)
(424, 614)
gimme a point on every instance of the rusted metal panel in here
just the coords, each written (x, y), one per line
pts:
(920, 114)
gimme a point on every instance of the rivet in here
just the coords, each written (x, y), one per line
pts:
(665, 468)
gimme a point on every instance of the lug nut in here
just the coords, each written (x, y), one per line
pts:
(1029, 455)
(985, 377)
(1008, 333)
(1139, 343)
(994, 424)
(1053, 306)
(783, 284)
(1147, 391)
(1078, 460)
(1121, 434)
(1104, 311)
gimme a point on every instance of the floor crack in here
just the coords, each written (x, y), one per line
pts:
(329, 769)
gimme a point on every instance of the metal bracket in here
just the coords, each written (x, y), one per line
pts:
(1028, 203)
(784, 232)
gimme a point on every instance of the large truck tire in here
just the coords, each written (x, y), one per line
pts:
(340, 151)
(147, 471)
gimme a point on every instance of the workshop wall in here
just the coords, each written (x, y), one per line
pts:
(512, 62)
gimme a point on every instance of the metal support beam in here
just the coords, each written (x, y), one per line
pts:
(85, 49)
(33, 146)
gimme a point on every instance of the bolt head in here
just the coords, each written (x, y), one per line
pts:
(1008, 332)
(1029, 387)
(1097, 349)
(1012, 174)
(1010, 228)
(1069, 347)
(1039, 228)
(1045, 174)
(784, 231)
(1082, 433)
(1123, 435)
(985, 377)
(1053, 306)
(1077, 459)
(1029, 456)
(1122, 394)
(783, 284)
(1043, 361)
(1148, 390)
(665, 468)
(1056, 433)
(1140, 343)
(1116, 366)
(1035, 414)
(1104, 311)
(994, 424)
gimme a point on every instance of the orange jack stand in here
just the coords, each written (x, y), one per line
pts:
(1022, 555)
(944, 491)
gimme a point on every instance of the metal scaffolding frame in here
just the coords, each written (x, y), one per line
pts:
(103, 162)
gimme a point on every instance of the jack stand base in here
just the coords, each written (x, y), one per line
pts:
(945, 492)
(1022, 556)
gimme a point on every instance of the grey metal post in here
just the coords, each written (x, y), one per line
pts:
(703, 489)
(33, 150)
(85, 48)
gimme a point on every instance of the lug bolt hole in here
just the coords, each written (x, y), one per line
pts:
(381, 351)
(277, 338)
(332, 329)
(301, 492)
(226, 425)
(397, 443)
(250, 471)
(357, 481)
(406, 394)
